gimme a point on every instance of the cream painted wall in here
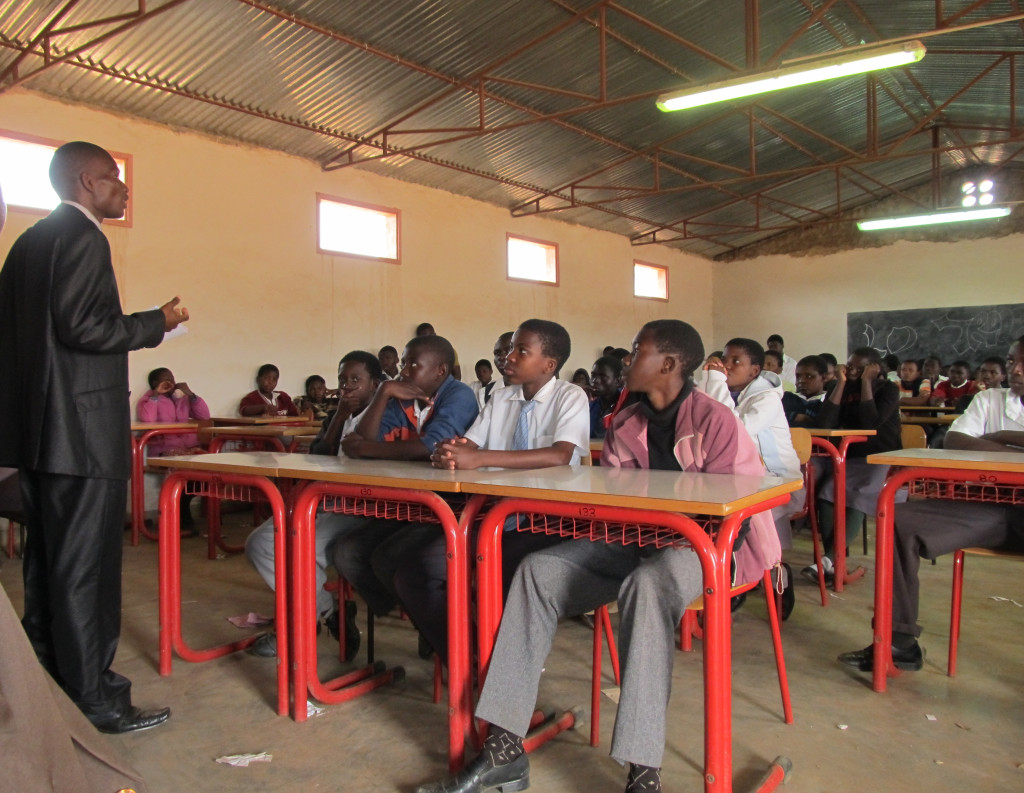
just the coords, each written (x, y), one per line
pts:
(806, 299)
(232, 230)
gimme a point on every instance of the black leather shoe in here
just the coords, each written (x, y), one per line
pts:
(480, 775)
(135, 719)
(264, 647)
(909, 660)
(352, 637)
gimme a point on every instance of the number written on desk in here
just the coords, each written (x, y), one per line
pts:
(587, 512)
(366, 491)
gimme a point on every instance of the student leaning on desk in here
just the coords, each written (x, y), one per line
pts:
(537, 421)
(670, 426)
(994, 422)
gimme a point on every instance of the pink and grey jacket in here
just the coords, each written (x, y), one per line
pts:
(709, 440)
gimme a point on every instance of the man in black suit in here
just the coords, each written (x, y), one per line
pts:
(65, 424)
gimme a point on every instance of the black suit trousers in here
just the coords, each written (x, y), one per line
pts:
(72, 570)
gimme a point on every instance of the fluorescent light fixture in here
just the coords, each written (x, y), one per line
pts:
(956, 216)
(812, 71)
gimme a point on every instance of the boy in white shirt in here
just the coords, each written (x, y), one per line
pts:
(536, 421)
(994, 422)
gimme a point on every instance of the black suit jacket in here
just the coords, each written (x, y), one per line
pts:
(64, 340)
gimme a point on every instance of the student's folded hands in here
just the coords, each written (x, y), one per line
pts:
(454, 453)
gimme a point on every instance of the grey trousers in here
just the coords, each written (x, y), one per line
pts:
(259, 549)
(653, 587)
(932, 528)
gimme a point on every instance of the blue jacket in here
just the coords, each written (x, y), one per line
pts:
(454, 410)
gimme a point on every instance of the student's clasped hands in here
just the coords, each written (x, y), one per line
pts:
(454, 453)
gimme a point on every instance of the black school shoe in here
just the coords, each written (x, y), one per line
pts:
(352, 637)
(134, 720)
(788, 594)
(910, 659)
(480, 775)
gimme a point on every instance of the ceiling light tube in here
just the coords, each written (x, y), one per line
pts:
(825, 68)
(933, 219)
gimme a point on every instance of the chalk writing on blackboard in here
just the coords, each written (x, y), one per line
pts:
(969, 332)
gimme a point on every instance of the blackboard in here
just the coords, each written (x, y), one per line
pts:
(969, 332)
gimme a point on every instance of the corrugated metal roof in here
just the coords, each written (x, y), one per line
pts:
(316, 78)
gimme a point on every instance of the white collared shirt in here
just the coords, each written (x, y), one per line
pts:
(561, 413)
(991, 410)
(349, 426)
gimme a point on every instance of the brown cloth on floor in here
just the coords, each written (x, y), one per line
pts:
(45, 741)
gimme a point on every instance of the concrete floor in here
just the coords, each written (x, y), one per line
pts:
(395, 738)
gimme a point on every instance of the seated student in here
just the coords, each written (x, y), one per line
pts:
(890, 368)
(406, 419)
(860, 400)
(265, 401)
(831, 362)
(537, 422)
(316, 401)
(958, 385)
(773, 364)
(803, 407)
(484, 383)
(359, 375)
(426, 329)
(605, 386)
(387, 356)
(776, 344)
(914, 388)
(168, 402)
(991, 374)
(581, 377)
(931, 369)
(994, 422)
(755, 396)
(673, 427)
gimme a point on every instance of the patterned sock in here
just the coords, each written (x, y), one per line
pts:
(643, 779)
(502, 746)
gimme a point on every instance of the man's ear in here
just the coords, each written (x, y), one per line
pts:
(759, 369)
(669, 364)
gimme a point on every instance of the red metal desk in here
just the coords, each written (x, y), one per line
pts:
(821, 440)
(234, 476)
(936, 473)
(587, 501)
(142, 433)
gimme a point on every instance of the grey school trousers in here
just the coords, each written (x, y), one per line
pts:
(932, 528)
(652, 587)
(259, 548)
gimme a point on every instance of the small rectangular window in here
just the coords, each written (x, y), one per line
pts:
(25, 174)
(532, 260)
(650, 280)
(352, 229)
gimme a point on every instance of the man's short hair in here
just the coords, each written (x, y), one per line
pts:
(386, 348)
(776, 355)
(314, 378)
(483, 362)
(554, 340)
(368, 359)
(892, 362)
(609, 362)
(963, 363)
(675, 337)
(267, 367)
(873, 355)
(816, 362)
(154, 376)
(828, 358)
(438, 345)
(423, 327)
(776, 337)
(752, 348)
(69, 161)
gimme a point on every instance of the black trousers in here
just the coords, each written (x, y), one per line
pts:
(929, 529)
(72, 570)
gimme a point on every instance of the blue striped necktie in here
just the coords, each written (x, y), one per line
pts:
(521, 437)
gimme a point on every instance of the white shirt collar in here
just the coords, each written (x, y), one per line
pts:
(540, 396)
(84, 211)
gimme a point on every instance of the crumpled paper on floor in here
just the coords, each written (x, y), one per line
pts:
(243, 760)
(250, 620)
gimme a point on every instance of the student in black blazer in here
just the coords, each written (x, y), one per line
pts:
(65, 424)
